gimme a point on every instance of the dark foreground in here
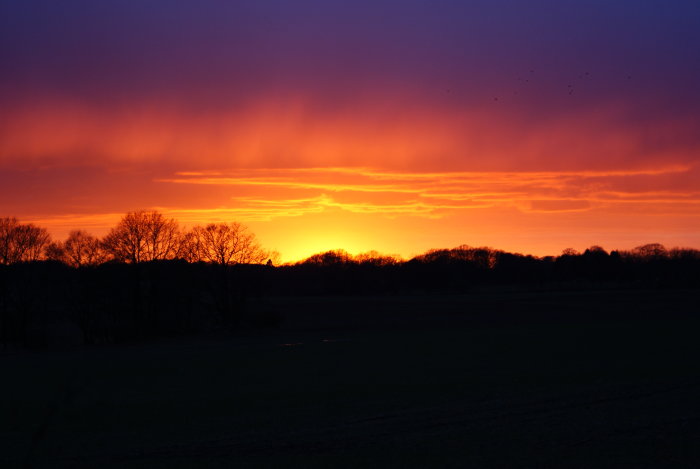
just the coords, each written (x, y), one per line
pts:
(585, 379)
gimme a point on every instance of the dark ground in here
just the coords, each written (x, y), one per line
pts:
(595, 379)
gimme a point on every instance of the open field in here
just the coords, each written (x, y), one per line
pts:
(494, 379)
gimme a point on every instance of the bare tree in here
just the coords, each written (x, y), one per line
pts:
(8, 246)
(79, 249)
(36, 241)
(189, 247)
(651, 251)
(21, 242)
(144, 236)
(227, 244)
(332, 257)
(376, 258)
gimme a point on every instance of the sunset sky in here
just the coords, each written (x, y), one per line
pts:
(397, 126)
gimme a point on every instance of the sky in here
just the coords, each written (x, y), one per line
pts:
(396, 126)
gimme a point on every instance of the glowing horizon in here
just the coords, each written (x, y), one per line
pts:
(387, 200)
(358, 127)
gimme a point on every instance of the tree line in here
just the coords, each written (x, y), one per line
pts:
(140, 236)
(148, 277)
(464, 268)
(145, 236)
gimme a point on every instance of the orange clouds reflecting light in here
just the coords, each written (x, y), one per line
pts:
(400, 180)
(293, 133)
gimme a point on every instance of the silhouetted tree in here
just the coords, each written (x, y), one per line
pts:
(651, 251)
(328, 258)
(79, 249)
(595, 251)
(226, 244)
(10, 248)
(21, 242)
(684, 254)
(144, 236)
(377, 259)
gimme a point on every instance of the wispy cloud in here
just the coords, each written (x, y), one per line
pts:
(437, 194)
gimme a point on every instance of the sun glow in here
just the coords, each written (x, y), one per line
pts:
(303, 211)
(308, 181)
(310, 234)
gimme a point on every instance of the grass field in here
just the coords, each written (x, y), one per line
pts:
(493, 379)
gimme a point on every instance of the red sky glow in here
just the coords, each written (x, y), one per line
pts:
(339, 131)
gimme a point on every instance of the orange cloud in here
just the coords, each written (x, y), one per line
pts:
(435, 194)
(292, 133)
(394, 178)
